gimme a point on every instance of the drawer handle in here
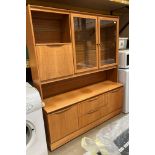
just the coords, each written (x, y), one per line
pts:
(91, 112)
(62, 110)
(113, 91)
(93, 99)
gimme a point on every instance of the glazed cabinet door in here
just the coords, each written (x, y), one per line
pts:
(84, 31)
(62, 122)
(108, 41)
(55, 61)
(115, 99)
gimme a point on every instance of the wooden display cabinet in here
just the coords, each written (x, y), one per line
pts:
(74, 64)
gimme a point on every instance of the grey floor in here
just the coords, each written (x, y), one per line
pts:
(74, 147)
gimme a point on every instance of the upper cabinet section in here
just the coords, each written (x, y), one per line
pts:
(51, 27)
(107, 41)
(66, 43)
(84, 41)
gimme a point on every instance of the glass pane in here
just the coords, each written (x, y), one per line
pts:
(85, 42)
(108, 42)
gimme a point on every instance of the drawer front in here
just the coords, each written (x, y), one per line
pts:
(63, 122)
(115, 99)
(89, 118)
(92, 104)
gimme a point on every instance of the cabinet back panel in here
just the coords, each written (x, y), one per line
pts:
(55, 88)
(50, 27)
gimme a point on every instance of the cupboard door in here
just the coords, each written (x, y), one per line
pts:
(63, 122)
(84, 42)
(107, 41)
(115, 99)
(55, 61)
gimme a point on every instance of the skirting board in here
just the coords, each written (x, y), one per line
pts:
(75, 134)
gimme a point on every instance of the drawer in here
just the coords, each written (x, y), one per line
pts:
(89, 118)
(92, 104)
(115, 99)
(62, 122)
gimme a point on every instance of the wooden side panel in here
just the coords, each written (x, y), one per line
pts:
(55, 61)
(55, 88)
(112, 74)
(63, 122)
(115, 99)
(30, 42)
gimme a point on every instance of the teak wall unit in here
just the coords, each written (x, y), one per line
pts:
(74, 62)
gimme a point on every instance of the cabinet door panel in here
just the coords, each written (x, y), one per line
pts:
(55, 61)
(84, 34)
(115, 99)
(63, 122)
(107, 41)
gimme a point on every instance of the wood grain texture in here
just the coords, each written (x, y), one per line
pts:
(89, 118)
(75, 96)
(51, 27)
(75, 134)
(80, 74)
(115, 99)
(59, 87)
(55, 61)
(62, 122)
(30, 42)
(92, 104)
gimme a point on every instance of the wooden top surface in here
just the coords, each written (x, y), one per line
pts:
(75, 96)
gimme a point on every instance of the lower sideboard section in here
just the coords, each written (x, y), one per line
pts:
(73, 135)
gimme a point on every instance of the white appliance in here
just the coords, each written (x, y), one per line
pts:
(123, 73)
(123, 59)
(35, 132)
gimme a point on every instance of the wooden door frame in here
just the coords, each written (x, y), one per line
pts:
(73, 41)
(99, 40)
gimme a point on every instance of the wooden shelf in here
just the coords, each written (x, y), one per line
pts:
(103, 68)
(43, 44)
(75, 96)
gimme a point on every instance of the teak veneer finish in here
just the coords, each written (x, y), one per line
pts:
(55, 61)
(74, 68)
(75, 96)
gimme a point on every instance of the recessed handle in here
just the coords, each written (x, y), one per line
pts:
(62, 110)
(92, 111)
(114, 91)
(92, 99)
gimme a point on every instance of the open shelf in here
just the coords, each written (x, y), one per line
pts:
(50, 27)
(75, 96)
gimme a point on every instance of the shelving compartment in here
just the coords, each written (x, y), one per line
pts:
(51, 27)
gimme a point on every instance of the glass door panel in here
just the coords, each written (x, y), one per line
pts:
(108, 34)
(85, 43)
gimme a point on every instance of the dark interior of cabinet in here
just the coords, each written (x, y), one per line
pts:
(51, 27)
(108, 41)
(58, 87)
(85, 42)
